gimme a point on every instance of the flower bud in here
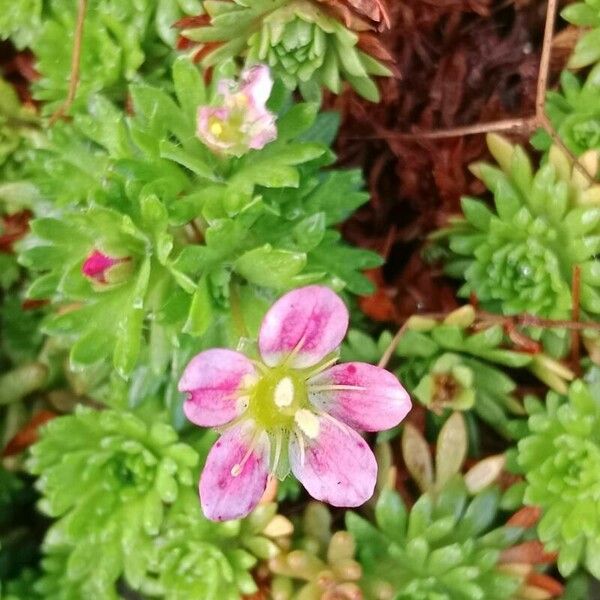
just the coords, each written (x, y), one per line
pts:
(102, 269)
(242, 121)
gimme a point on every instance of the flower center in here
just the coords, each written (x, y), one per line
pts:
(278, 395)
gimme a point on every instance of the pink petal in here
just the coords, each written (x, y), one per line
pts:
(212, 381)
(224, 496)
(257, 84)
(339, 467)
(203, 131)
(263, 131)
(96, 264)
(310, 321)
(377, 402)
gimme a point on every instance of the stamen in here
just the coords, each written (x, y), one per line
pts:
(323, 366)
(332, 388)
(341, 426)
(295, 350)
(301, 446)
(262, 368)
(237, 468)
(278, 444)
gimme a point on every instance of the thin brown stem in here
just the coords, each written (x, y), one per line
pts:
(527, 320)
(389, 351)
(75, 65)
(547, 125)
(484, 318)
(544, 71)
(521, 125)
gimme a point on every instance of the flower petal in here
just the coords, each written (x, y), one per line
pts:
(336, 467)
(361, 395)
(257, 84)
(309, 322)
(210, 126)
(225, 495)
(212, 381)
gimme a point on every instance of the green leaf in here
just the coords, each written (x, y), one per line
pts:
(296, 121)
(201, 310)
(189, 87)
(270, 267)
(391, 515)
(587, 50)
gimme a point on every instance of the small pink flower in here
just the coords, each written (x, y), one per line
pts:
(98, 267)
(242, 122)
(293, 409)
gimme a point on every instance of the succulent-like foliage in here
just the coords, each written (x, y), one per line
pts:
(561, 462)
(20, 21)
(520, 256)
(449, 384)
(304, 41)
(585, 14)
(108, 478)
(574, 111)
(320, 565)
(183, 224)
(446, 545)
(122, 42)
(456, 363)
(199, 559)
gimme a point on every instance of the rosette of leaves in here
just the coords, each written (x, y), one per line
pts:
(304, 41)
(121, 42)
(320, 564)
(574, 111)
(189, 224)
(448, 544)
(108, 478)
(585, 14)
(560, 459)
(20, 21)
(520, 255)
(198, 559)
(55, 582)
(451, 364)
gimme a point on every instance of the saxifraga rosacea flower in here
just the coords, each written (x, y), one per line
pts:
(292, 409)
(242, 121)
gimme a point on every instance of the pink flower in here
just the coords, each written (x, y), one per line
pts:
(242, 122)
(293, 409)
(102, 269)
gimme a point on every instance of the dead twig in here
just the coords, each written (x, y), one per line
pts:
(485, 319)
(389, 351)
(75, 65)
(523, 125)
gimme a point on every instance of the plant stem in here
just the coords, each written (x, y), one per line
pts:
(75, 65)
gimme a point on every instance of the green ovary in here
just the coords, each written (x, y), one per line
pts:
(278, 395)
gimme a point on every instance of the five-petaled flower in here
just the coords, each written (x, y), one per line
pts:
(102, 269)
(293, 409)
(242, 122)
